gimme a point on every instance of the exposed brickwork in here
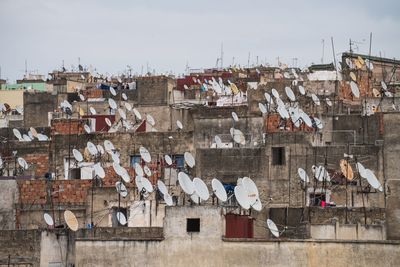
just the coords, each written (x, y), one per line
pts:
(273, 123)
(40, 163)
(93, 93)
(66, 126)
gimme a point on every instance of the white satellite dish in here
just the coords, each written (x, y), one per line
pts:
(328, 102)
(218, 141)
(272, 227)
(98, 170)
(77, 155)
(100, 149)
(122, 114)
(145, 154)
(384, 86)
(48, 219)
(138, 181)
(189, 159)
(290, 94)
(306, 119)
(124, 96)
(17, 134)
(87, 128)
(42, 137)
(33, 131)
(168, 160)
(268, 98)
(168, 199)
(112, 91)
(121, 189)
(302, 90)
(318, 123)
(137, 114)
(195, 198)
(280, 103)
(19, 109)
(372, 180)
(92, 111)
(26, 138)
(118, 168)
(235, 116)
(91, 148)
(361, 169)
(120, 216)
(71, 220)
(109, 147)
(147, 170)
(303, 175)
(242, 197)
(185, 183)
(81, 97)
(315, 99)
(150, 120)
(108, 122)
(239, 181)
(201, 189)
(179, 124)
(147, 185)
(112, 103)
(128, 106)
(23, 163)
(162, 187)
(283, 112)
(354, 89)
(262, 108)
(186, 87)
(115, 157)
(138, 170)
(219, 190)
(251, 188)
(275, 93)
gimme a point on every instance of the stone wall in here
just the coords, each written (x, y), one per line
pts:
(36, 107)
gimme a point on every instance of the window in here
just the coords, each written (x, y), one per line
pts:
(193, 225)
(135, 159)
(114, 219)
(179, 161)
(278, 156)
(320, 197)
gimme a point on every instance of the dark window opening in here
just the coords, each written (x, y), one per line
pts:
(135, 159)
(114, 219)
(278, 156)
(75, 173)
(317, 199)
(193, 225)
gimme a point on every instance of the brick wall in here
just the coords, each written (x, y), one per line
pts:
(93, 93)
(273, 124)
(40, 162)
(66, 126)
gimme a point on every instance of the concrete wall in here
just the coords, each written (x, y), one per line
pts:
(347, 232)
(12, 97)
(36, 107)
(8, 196)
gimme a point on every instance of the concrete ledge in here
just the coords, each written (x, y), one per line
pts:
(383, 242)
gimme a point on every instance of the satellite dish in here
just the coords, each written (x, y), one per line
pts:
(100, 149)
(321, 174)
(376, 93)
(275, 93)
(115, 157)
(112, 91)
(189, 159)
(168, 199)
(315, 99)
(92, 111)
(147, 170)
(48, 219)
(235, 116)
(137, 114)
(185, 183)
(81, 97)
(150, 120)
(346, 169)
(268, 98)
(77, 155)
(147, 185)
(42, 137)
(92, 148)
(218, 141)
(162, 187)
(306, 119)
(303, 175)
(33, 131)
(328, 102)
(283, 112)
(219, 190)
(128, 106)
(108, 122)
(121, 217)
(168, 160)
(122, 114)
(87, 128)
(290, 94)
(19, 109)
(26, 138)
(262, 108)
(252, 193)
(195, 198)
(124, 96)
(272, 227)
(186, 87)
(109, 147)
(353, 76)
(71, 220)
(23, 163)
(280, 103)
(138, 169)
(145, 154)
(372, 180)
(361, 169)
(179, 124)
(112, 103)
(121, 189)
(384, 86)
(242, 197)
(201, 189)
(239, 181)
(17, 134)
(138, 181)
(99, 171)
(302, 90)
(354, 89)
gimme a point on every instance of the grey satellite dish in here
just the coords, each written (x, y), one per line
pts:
(185, 183)
(87, 128)
(112, 103)
(372, 180)
(121, 189)
(48, 219)
(168, 160)
(272, 227)
(218, 141)
(138, 169)
(262, 108)
(137, 114)
(162, 187)
(82, 98)
(147, 185)
(23, 163)
(145, 154)
(128, 106)
(168, 199)
(290, 94)
(275, 93)
(122, 114)
(315, 99)
(112, 91)
(302, 90)
(124, 96)
(121, 218)
(147, 170)
(189, 159)
(150, 120)
(17, 134)
(91, 148)
(98, 170)
(109, 147)
(235, 116)
(303, 175)
(242, 197)
(201, 189)
(328, 102)
(354, 89)
(92, 111)
(77, 155)
(179, 124)
(219, 190)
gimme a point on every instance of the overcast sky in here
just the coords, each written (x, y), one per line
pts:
(168, 34)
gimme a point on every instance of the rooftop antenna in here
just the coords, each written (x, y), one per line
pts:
(323, 51)
(248, 61)
(26, 68)
(222, 55)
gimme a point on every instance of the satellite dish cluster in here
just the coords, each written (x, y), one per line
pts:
(30, 136)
